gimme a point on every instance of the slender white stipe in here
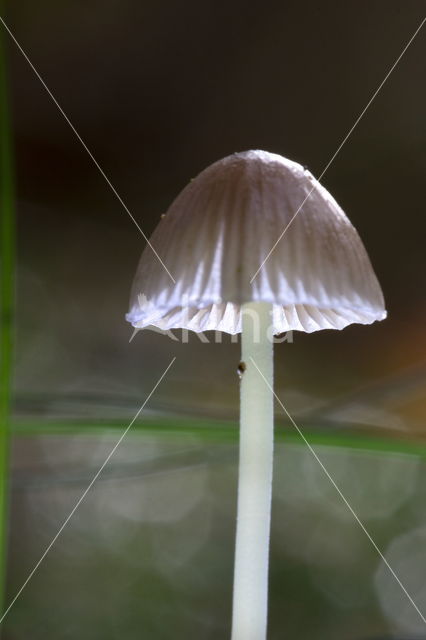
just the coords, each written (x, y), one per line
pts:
(250, 602)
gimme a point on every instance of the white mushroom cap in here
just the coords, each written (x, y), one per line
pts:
(220, 229)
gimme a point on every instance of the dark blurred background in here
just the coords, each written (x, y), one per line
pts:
(159, 90)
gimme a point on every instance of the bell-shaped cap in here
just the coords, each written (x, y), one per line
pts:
(218, 232)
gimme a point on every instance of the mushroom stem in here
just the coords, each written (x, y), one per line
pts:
(250, 599)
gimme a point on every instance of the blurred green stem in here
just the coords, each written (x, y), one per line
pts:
(7, 250)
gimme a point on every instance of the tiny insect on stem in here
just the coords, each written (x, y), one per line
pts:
(240, 369)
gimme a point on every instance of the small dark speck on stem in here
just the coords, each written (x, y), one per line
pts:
(240, 369)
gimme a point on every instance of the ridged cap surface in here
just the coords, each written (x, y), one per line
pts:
(220, 229)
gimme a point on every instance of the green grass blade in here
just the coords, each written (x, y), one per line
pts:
(223, 432)
(7, 261)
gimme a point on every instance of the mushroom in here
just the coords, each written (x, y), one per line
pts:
(255, 246)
